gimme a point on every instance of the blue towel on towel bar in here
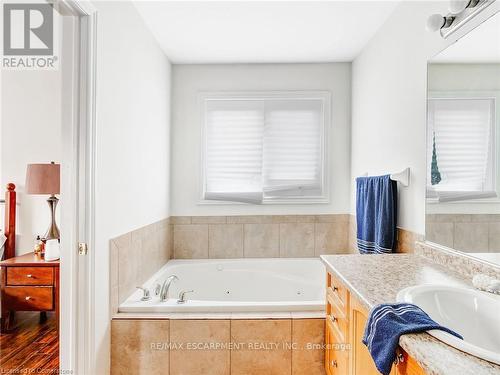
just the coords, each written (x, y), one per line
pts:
(387, 322)
(376, 210)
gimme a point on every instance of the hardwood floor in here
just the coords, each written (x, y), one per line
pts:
(30, 346)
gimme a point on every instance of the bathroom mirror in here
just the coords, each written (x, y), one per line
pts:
(463, 144)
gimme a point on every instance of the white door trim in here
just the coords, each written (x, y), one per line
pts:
(77, 353)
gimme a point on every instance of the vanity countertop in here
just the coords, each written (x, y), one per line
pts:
(375, 279)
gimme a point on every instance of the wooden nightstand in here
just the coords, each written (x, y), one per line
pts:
(28, 283)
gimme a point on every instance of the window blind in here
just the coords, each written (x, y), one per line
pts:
(460, 136)
(233, 150)
(292, 148)
(263, 149)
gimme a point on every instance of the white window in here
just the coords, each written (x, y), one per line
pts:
(461, 148)
(265, 148)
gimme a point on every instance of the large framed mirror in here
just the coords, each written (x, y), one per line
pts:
(463, 144)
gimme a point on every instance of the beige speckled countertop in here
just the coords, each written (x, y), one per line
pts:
(375, 279)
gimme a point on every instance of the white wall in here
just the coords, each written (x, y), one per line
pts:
(31, 133)
(389, 104)
(133, 125)
(189, 80)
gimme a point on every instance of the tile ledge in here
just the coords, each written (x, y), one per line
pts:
(218, 316)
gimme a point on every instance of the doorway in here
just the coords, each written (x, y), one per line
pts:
(56, 334)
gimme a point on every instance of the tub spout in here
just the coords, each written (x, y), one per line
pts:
(166, 286)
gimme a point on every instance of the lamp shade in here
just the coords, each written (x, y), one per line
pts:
(43, 179)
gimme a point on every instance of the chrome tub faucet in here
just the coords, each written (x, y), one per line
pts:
(146, 296)
(166, 286)
(182, 296)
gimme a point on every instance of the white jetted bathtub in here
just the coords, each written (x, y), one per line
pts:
(236, 285)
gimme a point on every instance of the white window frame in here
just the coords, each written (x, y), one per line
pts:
(324, 96)
(495, 137)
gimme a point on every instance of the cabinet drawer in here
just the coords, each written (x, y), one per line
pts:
(29, 298)
(337, 317)
(338, 292)
(30, 275)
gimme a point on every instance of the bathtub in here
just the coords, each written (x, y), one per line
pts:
(237, 285)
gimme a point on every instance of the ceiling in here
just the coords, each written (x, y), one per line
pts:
(481, 45)
(263, 31)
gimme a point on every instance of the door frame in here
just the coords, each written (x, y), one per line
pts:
(76, 337)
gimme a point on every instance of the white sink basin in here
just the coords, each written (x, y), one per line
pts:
(473, 314)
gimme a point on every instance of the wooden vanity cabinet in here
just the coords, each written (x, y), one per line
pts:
(344, 328)
(337, 327)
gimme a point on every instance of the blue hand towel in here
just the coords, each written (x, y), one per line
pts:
(376, 210)
(387, 322)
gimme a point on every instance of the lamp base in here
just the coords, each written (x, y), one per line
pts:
(53, 231)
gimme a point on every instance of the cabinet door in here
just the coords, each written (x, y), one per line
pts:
(361, 360)
(336, 355)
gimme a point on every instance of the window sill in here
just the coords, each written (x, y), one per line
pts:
(203, 202)
(468, 201)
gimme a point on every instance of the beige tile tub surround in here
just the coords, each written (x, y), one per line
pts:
(255, 236)
(304, 359)
(275, 360)
(135, 256)
(296, 240)
(263, 346)
(225, 241)
(261, 240)
(131, 347)
(209, 356)
(472, 233)
(191, 241)
(331, 238)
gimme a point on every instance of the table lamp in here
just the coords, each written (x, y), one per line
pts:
(44, 179)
